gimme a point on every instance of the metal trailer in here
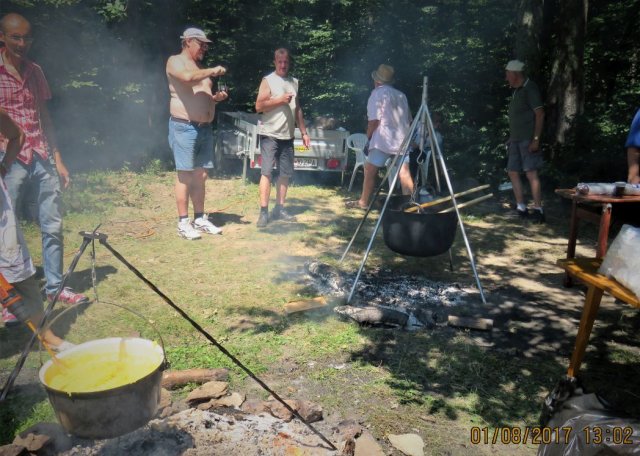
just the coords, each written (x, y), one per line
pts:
(238, 139)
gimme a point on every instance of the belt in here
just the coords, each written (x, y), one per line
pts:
(185, 121)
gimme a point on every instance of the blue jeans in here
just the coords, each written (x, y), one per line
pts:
(41, 180)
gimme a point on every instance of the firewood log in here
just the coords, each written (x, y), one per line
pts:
(174, 379)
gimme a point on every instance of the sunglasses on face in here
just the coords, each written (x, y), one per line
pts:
(202, 44)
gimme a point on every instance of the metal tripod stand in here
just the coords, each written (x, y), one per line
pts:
(91, 237)
(423, 117)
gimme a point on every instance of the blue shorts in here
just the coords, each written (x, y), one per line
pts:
(378, 158)
(520, 159)
(192, 146)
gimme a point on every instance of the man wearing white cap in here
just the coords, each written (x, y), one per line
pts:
(388, 123)
(526, 117)
(192, 107)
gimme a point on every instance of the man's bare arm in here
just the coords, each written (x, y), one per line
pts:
(177, 70)
(537, 130)
(264, 102)
(633, 160)
(371, 127)
(47, 127)
(306, 139)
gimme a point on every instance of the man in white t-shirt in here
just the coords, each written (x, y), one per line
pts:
(389, 122)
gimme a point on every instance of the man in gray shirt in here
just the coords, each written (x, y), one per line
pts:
(526, 117)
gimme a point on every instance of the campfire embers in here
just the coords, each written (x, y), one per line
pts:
(389, 299)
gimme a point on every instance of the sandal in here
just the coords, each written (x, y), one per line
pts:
(354, 205)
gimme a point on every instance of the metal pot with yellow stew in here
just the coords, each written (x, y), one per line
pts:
(106, 387)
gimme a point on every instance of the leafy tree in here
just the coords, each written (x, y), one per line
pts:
(105, 61)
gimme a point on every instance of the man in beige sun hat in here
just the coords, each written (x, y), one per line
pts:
(389, 121)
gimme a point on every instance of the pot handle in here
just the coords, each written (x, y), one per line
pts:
(410, 204)
(48, 325)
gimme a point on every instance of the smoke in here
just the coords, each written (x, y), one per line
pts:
(110, 96)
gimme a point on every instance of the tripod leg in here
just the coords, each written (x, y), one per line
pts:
(23, 356)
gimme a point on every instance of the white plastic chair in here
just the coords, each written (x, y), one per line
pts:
(357, 141)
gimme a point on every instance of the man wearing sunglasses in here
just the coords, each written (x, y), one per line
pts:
(192, 107)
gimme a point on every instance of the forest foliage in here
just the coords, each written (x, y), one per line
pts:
(105, 62)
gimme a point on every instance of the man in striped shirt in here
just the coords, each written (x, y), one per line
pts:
(39, 166)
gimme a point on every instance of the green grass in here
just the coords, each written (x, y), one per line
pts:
(438, 382)
(19, 413)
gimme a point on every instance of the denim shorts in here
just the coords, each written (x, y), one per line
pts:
(192, 146)
(378, 158)
(278, 151)
(520, 159)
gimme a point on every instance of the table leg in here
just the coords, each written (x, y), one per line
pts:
(573, 235)
(603, 232)
(591, 306)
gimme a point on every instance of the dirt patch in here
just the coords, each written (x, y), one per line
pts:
(201, 433)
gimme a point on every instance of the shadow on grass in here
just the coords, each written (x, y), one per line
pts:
(223, 218)
(81, 280)
(502, 377)
(18, 407)
(14, 340)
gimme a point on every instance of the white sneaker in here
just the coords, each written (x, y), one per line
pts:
(187, 231)
(203, 225)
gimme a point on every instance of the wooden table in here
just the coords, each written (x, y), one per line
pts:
(598, 209)
(586, 270)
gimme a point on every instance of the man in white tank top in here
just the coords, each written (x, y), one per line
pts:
(192, 107)
(278, 101)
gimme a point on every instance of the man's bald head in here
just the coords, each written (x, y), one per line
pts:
(12, 20)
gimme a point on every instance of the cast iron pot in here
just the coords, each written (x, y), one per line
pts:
(417, 234)
(113, 412)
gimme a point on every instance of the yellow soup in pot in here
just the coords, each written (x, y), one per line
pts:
(103, 367)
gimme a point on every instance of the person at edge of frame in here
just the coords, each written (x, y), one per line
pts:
(17, 272)
(38, 171)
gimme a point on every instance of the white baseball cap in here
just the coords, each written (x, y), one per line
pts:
(515, 65)
(196, 33)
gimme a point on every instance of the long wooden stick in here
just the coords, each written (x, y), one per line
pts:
(446, 198)
(46, 345)
(467, 203)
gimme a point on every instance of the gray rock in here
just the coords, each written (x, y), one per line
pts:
(409, 444)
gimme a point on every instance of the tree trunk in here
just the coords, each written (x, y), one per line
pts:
(529, 35)
(565, 94)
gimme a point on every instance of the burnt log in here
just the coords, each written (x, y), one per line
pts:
(374, 315)
(329, 275)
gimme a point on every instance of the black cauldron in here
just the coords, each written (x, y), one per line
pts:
(417, 234)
